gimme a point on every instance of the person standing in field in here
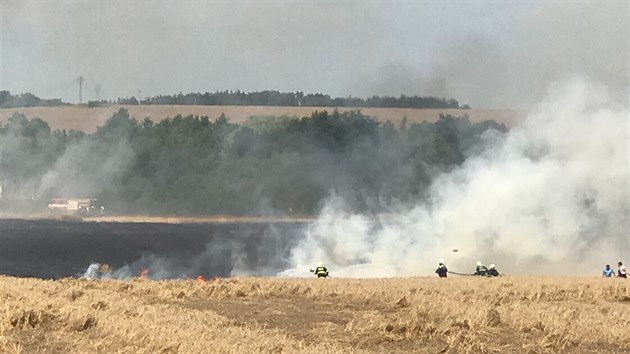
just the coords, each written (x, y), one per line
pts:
(441, 269)
(608, 272)
(621, 272)
(481, 269)
(493, 272)
(321, 271)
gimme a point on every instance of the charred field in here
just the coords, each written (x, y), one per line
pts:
(50, 248)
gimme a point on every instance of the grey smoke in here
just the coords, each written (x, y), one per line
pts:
(487, 54)
(37, 165)
(86, 169)
(246, 251)
(524, 47)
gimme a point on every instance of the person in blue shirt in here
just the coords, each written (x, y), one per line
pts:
(608, 272)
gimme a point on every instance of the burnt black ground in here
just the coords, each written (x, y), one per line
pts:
(55, 248)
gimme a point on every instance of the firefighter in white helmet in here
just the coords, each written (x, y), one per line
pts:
(481, 269)
(492, 271)
(441, 270)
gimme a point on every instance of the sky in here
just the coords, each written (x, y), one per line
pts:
(488, 54)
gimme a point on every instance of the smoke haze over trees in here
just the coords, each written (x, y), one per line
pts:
(197, 166)
(550, 196)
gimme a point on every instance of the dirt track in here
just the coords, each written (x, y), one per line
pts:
(55, 248)
(88, 119)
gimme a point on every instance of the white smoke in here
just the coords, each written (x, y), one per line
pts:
(86, 168)
(550, 197)
(95, 271)
(92, 271)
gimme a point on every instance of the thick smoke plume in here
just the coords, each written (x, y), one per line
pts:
(550, 197)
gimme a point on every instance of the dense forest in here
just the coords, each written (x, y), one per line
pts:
(197, 166)
(275, 98)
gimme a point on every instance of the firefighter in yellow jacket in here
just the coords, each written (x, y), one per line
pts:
(320, 271)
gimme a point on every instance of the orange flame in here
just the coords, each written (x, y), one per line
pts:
(200, 280)
(143, 274)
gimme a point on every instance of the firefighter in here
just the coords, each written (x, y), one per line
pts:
(441, 269)
(320, 271)
(621, 273)
(481, 269)
(492, 271)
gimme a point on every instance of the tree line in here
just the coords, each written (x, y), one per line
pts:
(239, 98)
(192, 165)
(7, 100)
(276, 98)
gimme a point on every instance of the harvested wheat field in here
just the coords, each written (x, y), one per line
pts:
(88, 119)
(280, 315)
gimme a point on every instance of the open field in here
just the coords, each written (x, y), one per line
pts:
(88, 119)
(275, 315)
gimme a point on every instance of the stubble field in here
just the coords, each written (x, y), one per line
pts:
(281, 315)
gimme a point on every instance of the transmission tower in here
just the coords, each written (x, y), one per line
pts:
(80, 81)
(97, 89)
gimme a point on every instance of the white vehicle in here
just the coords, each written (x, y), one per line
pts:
(79, 206)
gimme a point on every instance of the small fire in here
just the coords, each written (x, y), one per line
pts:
(200, 280)
(143, 274)
(104, 268)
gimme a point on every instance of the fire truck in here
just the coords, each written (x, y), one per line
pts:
(76, 206)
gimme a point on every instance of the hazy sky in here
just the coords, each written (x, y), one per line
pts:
(488, 54)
